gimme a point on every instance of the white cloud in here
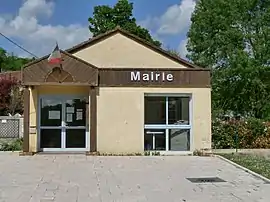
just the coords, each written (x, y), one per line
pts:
(182, 48)
(39, 38)
(36, 8)
(176, 19)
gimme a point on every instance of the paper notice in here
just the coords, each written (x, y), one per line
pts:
(70, 109)
(69, 117)
(79, 115)
(54, 115)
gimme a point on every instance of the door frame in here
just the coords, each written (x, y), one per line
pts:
(63, 128)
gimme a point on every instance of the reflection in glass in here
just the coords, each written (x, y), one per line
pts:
(154, 139)
(160, 142)
(148, 142)
(179, 139)
(178, 111)
(75, 138)
(51, 112)
(155, 110)
(50, 138)
(75, 112)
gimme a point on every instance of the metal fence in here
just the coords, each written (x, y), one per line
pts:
(11, 127)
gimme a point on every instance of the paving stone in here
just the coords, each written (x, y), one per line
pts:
(75, 178)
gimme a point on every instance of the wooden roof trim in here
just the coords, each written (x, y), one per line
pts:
(9, 72)
(57, 84)
(133, 37)
(17, 75)
(63, 52)
(154, 69)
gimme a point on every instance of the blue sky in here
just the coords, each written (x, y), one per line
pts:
(37, 24)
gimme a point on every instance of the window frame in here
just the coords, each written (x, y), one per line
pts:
(167, 126)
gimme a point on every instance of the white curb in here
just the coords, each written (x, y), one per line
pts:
(245, 169)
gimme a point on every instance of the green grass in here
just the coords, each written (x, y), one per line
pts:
(256, 163)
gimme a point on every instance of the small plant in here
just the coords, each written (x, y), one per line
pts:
(14, 145)
(147, 153)
(151, 153)
(198, 153)
(117, 154)
(202, 152)
(155, 153)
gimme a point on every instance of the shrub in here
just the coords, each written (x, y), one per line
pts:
(14, 145)
(252, 133)
(10, 96)
(257, 127)
(262, 143)
(223, 135)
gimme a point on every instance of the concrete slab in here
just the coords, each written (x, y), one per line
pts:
(80, 178)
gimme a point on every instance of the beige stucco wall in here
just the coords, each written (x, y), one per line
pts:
(120, 51)
(33, 120)
(120, 126)
(47, 90)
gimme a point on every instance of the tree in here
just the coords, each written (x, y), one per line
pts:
(233, 38)
(15, 63)
(10, 62)
(3, 58)
(221, 29)
(15, 104)
(8, 103)
(106, 18)
(174, 52)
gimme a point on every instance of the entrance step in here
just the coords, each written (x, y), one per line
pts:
(61, 153)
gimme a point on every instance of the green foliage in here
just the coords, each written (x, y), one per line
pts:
(106, 18)
(241, 90)
(15, 63)
(174, 52)
(252, 134)
(10, 62)
(257, 127)
(233, 38)
(3, 58)
(222, 29)
(223, 135)
(13, 145)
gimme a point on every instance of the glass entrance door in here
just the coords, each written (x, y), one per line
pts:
(63, 124)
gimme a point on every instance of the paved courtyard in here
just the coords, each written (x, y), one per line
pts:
(78, 178)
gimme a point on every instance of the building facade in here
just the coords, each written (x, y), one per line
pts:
(116, 94)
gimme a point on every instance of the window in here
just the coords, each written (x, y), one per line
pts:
(167, 123)
(155, 110)
(154, 139)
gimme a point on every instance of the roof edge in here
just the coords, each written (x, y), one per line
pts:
(80, 60)
(103, 36)
(153, 69)
(143, 42)
(63, 52)
(93, 40)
